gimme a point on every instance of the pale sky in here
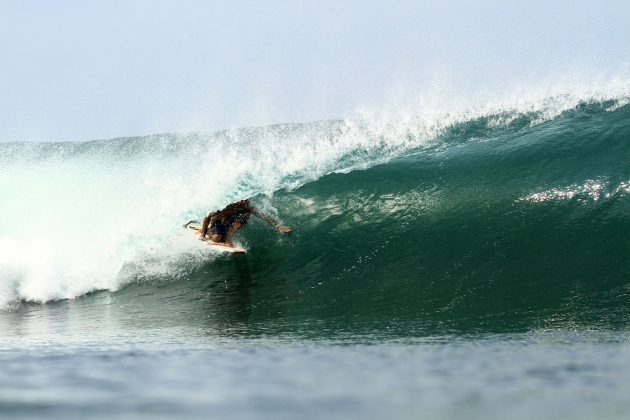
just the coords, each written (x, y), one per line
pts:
(82, 70)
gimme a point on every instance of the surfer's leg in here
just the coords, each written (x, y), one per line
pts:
(216, 238)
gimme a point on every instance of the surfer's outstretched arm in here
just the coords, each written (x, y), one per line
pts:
(270, 221)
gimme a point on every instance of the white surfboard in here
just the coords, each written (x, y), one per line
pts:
(194, 227)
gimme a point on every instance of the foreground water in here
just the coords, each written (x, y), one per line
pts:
(467, 266)
(97, 358)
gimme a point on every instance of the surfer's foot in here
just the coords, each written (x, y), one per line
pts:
(284, 229)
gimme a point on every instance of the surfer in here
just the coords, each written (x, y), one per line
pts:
(221, 225)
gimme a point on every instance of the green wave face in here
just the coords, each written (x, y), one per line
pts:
(500, 229)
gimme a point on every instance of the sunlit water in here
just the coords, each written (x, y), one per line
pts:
(96, 358)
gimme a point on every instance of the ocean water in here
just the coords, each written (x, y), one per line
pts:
(464, 264)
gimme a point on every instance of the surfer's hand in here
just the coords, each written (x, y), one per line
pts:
(284, 229)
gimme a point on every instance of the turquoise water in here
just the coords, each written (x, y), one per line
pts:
(467, 266)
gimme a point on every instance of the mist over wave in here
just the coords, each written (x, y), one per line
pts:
(84, 216)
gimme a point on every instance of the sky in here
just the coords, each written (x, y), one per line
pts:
(83, 70)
